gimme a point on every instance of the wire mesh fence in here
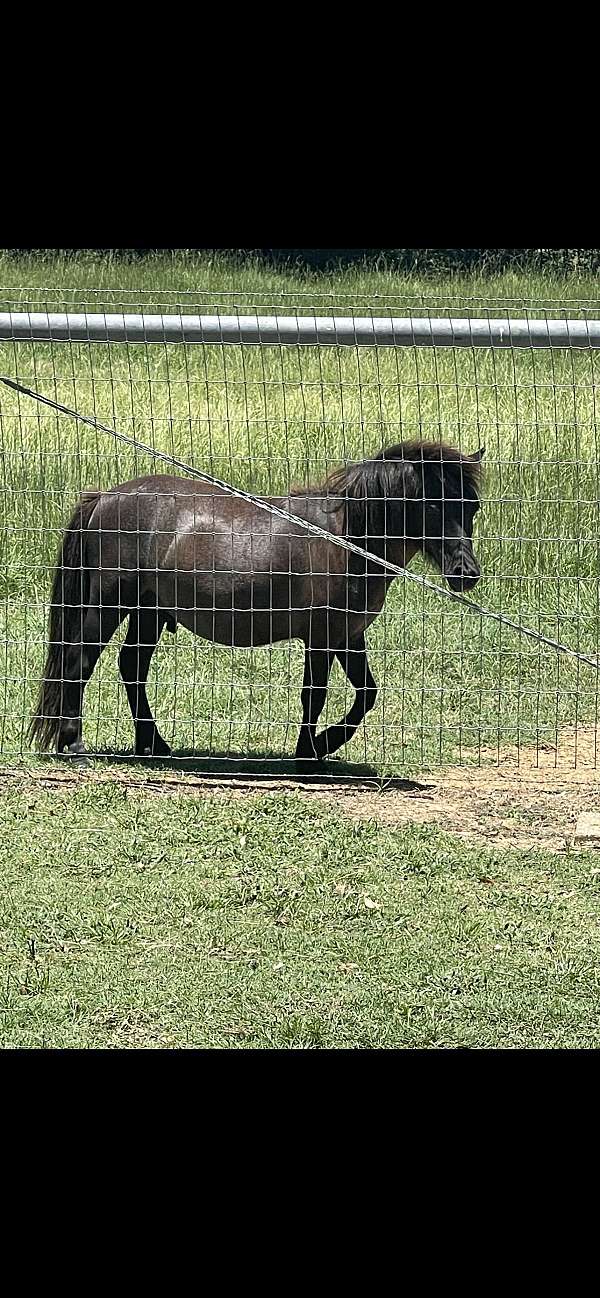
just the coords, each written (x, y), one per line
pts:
(454, 687)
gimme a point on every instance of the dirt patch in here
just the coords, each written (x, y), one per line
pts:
(525, 810)
(532, 804)
(575, 750)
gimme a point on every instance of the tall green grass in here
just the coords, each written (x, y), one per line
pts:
(452, 684)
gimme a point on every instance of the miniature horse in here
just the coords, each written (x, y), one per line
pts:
(164, 551)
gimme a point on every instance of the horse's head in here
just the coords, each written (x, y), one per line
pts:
(451, 502)
(434, 502)
(411, 497)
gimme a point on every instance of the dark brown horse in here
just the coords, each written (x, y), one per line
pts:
(163, 551)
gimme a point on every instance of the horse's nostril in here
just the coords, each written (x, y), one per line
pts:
(461, 581)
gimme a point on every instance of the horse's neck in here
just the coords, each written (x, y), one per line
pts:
(399, 551)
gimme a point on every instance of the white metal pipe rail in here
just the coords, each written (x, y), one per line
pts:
(289, 331)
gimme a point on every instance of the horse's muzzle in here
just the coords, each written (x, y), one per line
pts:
(462, 572)
(463, 582)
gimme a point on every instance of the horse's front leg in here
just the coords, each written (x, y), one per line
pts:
(317, 666)
(355, 663)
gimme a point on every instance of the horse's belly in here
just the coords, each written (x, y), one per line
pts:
(231, 609)
(242, 629)
(243, 610)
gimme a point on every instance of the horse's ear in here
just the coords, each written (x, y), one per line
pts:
(478, 455)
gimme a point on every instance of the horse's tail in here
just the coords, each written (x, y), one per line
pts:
(70, 593)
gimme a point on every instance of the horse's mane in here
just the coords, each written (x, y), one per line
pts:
(408, 471)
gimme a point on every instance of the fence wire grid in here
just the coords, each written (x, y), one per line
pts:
(454, 688)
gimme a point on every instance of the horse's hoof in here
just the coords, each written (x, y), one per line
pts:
(76, 756)
(310, 765)
(158, 748)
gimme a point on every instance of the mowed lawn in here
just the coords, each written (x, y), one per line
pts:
(274, 921)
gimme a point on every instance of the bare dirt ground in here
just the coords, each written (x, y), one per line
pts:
(528, 799)
(506, 808)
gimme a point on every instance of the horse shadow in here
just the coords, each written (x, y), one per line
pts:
(255, 766)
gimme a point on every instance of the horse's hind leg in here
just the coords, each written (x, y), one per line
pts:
(355, 663)
(79, 660)
(143, 634)
(317, 666)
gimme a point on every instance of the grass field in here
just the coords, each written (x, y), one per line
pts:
(274, 920)
(453, 687)
(149, 922)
